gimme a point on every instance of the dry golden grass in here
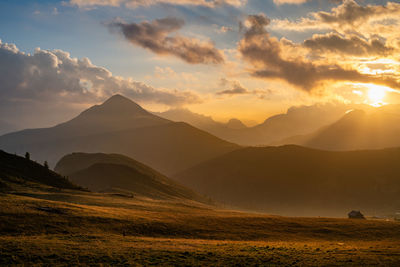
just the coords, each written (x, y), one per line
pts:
(118, 250)
(81, 228)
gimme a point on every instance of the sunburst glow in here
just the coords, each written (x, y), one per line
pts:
(376, 94)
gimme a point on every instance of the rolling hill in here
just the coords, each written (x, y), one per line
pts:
(121, 126)
(117, 173)
(16, 171)
(292, 180)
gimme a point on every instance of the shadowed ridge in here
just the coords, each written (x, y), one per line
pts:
(294, 180)
(19, 170)
(121, 126)
(113, 172)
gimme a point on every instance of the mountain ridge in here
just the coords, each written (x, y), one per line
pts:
(117, 173)
(127, 129)
(356, 130)
(300, 181)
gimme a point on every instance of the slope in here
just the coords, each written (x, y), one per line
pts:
(112, 172)
(19, 171)
(359, 130)
(293, 180)
(121, 126)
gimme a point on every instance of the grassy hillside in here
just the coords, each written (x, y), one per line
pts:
(121, 126)
(78, 161)
(293, 180)
(16, 170)
(117, 173)
(72, 227)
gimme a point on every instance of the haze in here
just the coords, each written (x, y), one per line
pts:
(200, 132)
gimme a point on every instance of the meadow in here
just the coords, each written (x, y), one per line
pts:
(67, 227)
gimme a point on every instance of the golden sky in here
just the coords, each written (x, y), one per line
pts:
(232, 58)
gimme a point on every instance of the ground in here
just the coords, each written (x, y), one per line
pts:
(66, 227)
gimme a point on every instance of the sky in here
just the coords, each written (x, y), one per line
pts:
(247, 59)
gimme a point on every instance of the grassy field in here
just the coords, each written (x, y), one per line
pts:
(130, 250)
(70, 227)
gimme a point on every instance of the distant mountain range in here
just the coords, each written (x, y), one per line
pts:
(293, 180)
(120, 174)
(200, 121)
(297, 121)
(121, 126)
(355, 130)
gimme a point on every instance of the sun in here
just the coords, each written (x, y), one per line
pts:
(376, 94)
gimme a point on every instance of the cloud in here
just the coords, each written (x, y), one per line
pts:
(48, 77)
(224, 29)
(235, 88)
(266, 55)
(347, 15)
(136, 3)
(295, 2)
(351, 13)
(349, 45)
(155, 36)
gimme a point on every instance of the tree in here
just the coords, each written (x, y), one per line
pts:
(27, 155)
(46, 165)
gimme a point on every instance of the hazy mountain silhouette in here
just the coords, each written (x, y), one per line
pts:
(356, 130)
(296, 121)
(121, 126)
(293, 180)
(117, 173)
(206, 123)
(184, 115)
(16, 171)
(235, 124)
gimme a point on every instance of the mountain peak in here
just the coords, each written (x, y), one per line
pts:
(235, 124)
(117, 105)
(119, 100)
(115, 114)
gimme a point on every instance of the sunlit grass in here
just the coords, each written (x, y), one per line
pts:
(87, 228)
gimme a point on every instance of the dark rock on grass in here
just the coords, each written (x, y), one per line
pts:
(355, 214)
